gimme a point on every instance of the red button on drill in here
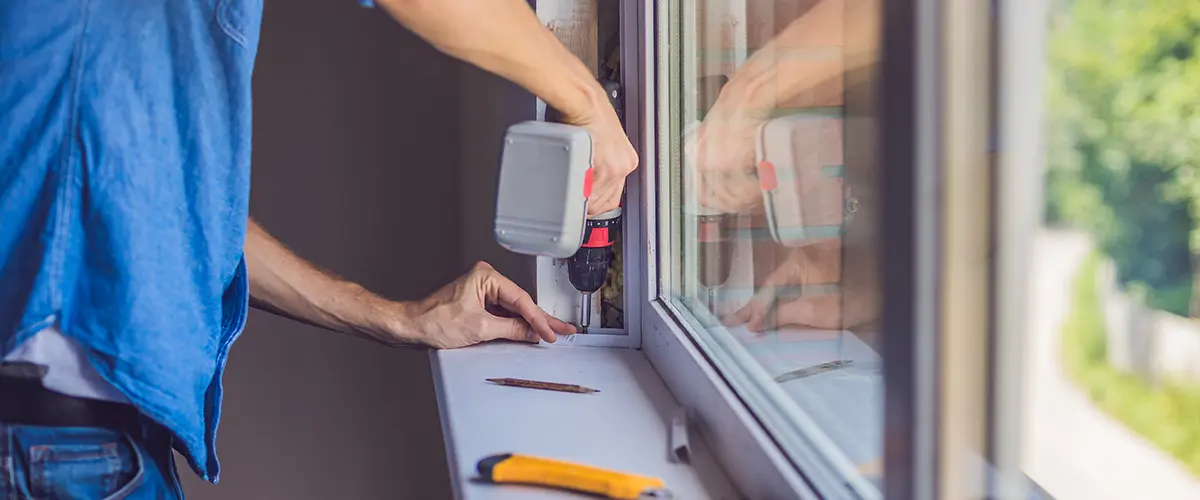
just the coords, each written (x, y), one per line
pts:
(587, 182)
(766, 176)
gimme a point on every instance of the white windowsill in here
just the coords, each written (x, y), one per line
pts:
(624, 427)
(845, 404)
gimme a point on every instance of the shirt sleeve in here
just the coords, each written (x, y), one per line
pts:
(367, 3)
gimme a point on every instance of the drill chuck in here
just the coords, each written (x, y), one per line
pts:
(587, 270)
(714, 249)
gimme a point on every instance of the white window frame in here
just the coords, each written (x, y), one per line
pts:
(747, 452)
(554, 292)
(927, 428)
(689, 362)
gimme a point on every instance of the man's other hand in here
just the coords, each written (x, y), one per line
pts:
(819, 263)
(479, 306)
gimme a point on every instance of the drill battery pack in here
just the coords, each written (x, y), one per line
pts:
(799, 162)
(545, 181)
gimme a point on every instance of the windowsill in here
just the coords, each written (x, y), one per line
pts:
(829, 423)
(845, 404)
(624, 427)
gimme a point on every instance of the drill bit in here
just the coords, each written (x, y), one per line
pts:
(585, 312)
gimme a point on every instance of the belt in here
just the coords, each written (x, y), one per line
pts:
(24, 401)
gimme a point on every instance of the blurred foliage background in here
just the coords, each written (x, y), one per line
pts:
(1123, 139)
(1123, 164)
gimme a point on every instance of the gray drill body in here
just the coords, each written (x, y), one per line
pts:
(541, 204)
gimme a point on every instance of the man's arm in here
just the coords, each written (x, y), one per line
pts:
(505, 37)
(771, 76)
(456, 316)
(284, 284)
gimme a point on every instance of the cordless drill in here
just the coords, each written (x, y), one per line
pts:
(588, 268)
(541, 208)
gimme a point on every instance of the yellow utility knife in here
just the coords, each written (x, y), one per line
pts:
(524, 469)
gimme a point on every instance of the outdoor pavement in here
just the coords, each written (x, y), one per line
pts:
(1071, 448)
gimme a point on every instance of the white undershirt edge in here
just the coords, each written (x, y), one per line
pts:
(69, 372)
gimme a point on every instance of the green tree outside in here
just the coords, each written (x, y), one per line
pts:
(1123, 138)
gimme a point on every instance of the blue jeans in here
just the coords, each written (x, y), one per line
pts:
(55, 463)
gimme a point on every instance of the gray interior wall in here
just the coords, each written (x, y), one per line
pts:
(488, 105)
(356, 133)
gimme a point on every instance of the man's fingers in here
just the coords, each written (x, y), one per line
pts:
(534, 321)
(513, 298)
(724, 199)
(756, 311)
(605, 197)
(751, 316)
(758, 320)
(511, 329)
(737, 318)
(600, 207)
(823, 312)
(559, 326)
(791, 272)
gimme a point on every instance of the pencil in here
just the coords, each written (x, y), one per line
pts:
(546, 386)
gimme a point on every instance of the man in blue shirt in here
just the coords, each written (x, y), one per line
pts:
(127, 257)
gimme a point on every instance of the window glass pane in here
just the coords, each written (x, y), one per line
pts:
(767, 216)
(1112, 394)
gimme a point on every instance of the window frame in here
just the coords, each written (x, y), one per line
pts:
(761, 470)
(754, 458)
(554, 292)
(1019, 34)
(930, 427)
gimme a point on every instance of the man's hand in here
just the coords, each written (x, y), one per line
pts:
(816, 264)
(724, 141)
(788, 72)
(613, 157)
(481, 305)
(719, 153)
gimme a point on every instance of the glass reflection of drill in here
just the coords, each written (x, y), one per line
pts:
(714, 247)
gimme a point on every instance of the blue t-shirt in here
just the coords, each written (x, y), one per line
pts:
(124, 193)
